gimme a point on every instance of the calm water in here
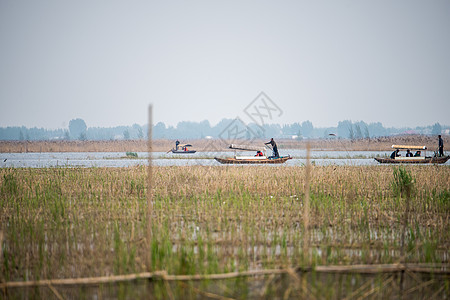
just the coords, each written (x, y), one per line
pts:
(119, 159)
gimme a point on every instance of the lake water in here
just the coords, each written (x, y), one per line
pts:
(119, 159)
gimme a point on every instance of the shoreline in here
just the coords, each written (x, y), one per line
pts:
(208, 145)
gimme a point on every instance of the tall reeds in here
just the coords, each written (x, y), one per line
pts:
(163, 145)
(78, 222)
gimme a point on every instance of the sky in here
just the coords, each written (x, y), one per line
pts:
(323, 61)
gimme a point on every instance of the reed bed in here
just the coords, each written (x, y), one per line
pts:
(61, 223)
(207, 145)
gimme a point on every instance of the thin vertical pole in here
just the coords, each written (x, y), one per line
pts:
(149, 189)
(403, 256)
(306, 256)
(306, 201)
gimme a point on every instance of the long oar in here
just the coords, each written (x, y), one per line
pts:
(270, 148)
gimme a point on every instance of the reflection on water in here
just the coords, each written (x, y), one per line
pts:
(119, 159)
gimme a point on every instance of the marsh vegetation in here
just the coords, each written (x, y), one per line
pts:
(86, 222)
(207, 145)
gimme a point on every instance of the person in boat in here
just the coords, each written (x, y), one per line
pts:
(441, 146)
(259, 153)
(274, 147)
(417, 154)
(176, 144)
(409, 153)
(395, 153)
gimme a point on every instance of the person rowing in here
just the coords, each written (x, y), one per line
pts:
(274, 147)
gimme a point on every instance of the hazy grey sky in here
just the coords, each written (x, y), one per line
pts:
(323, 61)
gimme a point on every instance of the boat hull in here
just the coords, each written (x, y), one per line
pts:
(279, 160)
(183, 152)
(427, 160)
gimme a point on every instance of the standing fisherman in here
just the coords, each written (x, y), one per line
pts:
(176, 144)
(441, 146)
(274, 147)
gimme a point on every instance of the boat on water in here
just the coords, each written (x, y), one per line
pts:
(414, 159)
(260, 158)
(184, 150)
(253, 160)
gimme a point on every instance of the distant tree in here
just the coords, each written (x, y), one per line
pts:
(366, 132)
(358, 132)
(140, 133)
(296, 127)
(256, 131)
(205, 128)
(138, 130)
(188, 129)
(82, 136)
(307, 128)
(21, 137)
(221, 126)
(159, 130)
(66, 135)
(436, 129)
(351, 133)
(126, 134)
(293, 129)
(77, 128)
(269, 131)
(377, 129)
(344, 129)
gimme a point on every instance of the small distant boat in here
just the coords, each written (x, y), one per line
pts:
(412, 160)
(184, 150)
(262, 159)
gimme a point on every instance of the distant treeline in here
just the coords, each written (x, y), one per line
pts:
(226, 128)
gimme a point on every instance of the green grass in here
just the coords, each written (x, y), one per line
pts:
(82, 222)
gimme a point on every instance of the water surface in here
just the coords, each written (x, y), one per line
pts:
(119, 159)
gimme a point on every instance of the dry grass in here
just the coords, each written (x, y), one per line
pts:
(66, 223)
(375, 144)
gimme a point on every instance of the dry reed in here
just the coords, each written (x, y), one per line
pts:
(163, 145)
(78, 222)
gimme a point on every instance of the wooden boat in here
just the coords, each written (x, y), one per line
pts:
(184, 150)
(253, 160)
(263, 159)
(412, 160)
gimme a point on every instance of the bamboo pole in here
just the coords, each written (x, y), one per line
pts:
(306, 203)
(55, 292)
(149, 190)
(443, 269)
(306, 255)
